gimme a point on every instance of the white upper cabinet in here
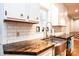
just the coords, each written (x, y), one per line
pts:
(26, 11)
(57, 15)
(53, 15)
(62, 16)
(62, 20)
(32, 11)
(43, 16)
(14, 10)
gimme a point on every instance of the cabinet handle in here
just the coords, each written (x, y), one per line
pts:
(37, 18)
(27, 17)
(5, 12)
(21, 14)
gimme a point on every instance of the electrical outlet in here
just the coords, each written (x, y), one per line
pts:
(17, 34)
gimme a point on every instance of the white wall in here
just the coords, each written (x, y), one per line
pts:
(1, 29)
(76, 25)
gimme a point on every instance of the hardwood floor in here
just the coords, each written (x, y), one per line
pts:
(76, 48)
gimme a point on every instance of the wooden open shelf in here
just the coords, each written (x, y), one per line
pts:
(21, 21)
(58, 26)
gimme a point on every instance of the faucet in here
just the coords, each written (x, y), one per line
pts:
(48, 28)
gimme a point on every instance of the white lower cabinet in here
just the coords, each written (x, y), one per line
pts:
(1, 49)
(72, 44)
(22, 11)
(48, 52)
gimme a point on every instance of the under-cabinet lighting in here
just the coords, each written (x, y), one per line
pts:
(76, 10)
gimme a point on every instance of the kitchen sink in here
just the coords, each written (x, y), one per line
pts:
(60, 46)
(57, 40)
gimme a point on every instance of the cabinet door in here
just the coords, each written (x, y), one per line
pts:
(33, 11)
(53, 15)
(43, 17)
(15, 10)
(61, 17)
(1, 49)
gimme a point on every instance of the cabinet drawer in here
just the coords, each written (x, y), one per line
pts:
(46, 53)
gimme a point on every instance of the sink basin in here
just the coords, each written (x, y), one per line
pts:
(57, 40)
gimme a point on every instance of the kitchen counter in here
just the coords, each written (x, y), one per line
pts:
(32, 47)
(64, 36)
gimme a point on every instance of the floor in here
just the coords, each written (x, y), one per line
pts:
(76, 48)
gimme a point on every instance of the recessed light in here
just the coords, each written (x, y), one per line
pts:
(65, 13)
(76, 10)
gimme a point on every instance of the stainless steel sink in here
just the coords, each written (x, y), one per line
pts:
(57, 40)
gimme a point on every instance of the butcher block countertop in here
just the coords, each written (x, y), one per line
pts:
(31, 47)
(64, 36)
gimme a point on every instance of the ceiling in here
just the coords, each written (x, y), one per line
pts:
(71, 7)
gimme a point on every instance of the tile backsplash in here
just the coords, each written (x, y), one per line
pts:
(20, 31)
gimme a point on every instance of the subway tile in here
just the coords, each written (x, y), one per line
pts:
(26, 31)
